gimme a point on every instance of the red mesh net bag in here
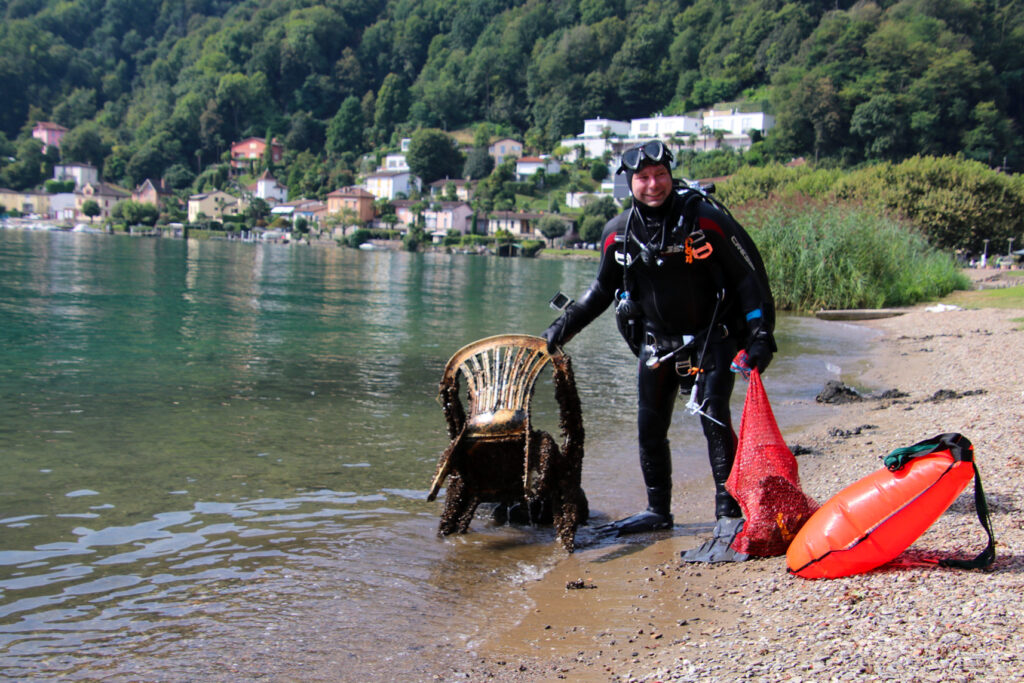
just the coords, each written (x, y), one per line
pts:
(765, 480)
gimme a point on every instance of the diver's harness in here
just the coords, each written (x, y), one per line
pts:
(629, 317)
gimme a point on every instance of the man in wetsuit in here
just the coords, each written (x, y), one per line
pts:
(690, 292)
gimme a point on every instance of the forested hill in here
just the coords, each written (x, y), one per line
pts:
(161, 87)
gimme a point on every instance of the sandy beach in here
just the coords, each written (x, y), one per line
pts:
(635, 612)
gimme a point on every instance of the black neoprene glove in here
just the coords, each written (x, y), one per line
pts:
(555, 334)
(576, 316)
(759, 350)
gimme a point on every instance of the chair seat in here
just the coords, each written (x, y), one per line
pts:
(504, 423)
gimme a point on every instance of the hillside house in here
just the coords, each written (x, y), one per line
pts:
(245, 152)
(215, 205)
(463, 188)
(27, 202)
(663, 128)
(505, 148)
(438, 217)
(519, 223)
(396, 161)
(355, 201)
(104, 194)
(528, 166)
(268, 189)
(390, 184)
(314, 211)
(49, 133)
(150, 193)
(82, 174)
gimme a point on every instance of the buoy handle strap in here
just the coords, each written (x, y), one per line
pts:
(988, 555)
(958, 445)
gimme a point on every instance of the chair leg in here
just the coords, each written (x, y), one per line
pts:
(459, 507)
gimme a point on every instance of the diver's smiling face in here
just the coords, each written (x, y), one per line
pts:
(652, 185)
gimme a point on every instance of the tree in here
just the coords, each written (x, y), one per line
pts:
(257, 210)
(391, 106)
(433, 155)
(591, 228)
(345, 131)
(85, 144)
(135, 213)
(881, 127)
(603, 208)
(990, 138)
(91, 208)
(551, 226)
(28, 169)
(479, 164)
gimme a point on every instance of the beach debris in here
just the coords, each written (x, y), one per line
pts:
(838, 392)
(950, 394)
(847, 433)
(578, 584)
(495, 455)
(943, 308)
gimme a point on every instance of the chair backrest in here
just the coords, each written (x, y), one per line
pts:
(500, 373)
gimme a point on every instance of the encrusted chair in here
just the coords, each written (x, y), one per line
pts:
(495, 455)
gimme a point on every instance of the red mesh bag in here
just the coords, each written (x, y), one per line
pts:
(765, 480)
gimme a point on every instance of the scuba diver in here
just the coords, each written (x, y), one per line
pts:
(692, 301)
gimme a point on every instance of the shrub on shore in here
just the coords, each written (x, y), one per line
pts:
(956, 203)
(823, 256)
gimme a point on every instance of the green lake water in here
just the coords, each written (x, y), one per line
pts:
(215, 455)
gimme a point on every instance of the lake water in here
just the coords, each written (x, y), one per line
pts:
(215, 456)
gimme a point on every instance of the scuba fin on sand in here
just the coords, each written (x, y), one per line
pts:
(719, 547)
(648, 520)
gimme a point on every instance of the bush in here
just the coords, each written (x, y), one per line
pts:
(358, 237)
(475, 240)
(830, 257)
(530, 247)
(958, 203)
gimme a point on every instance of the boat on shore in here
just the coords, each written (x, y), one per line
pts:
(858, 313)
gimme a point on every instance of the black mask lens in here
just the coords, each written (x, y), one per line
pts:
(654, 150)
(631, 158)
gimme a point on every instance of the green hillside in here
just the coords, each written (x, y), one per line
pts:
(160, 88)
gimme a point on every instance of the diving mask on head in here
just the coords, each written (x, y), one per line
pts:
(654, 151)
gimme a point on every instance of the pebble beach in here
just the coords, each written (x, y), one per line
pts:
(635, 612)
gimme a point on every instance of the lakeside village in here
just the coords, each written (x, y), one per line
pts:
(444, 212)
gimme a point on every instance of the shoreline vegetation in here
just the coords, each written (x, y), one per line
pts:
(879, 236)
(646, 616)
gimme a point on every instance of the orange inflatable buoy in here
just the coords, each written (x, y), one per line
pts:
(875, 519)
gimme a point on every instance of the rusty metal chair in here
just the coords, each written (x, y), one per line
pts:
(495, 455)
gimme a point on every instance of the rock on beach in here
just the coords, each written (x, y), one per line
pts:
(650, 617)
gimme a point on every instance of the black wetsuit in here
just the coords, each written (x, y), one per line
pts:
(690, 271)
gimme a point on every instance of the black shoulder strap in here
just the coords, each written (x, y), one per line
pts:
(960, 447)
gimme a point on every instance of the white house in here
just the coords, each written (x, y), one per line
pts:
(738, 123)
(82, 174)
(268, 189)
(597, 138)
(527, 166)
(666, 128)
(663, 127)
(389, 184)
(64, 206)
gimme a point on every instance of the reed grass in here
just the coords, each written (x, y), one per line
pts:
(841, 256)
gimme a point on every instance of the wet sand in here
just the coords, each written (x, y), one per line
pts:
(634, 612)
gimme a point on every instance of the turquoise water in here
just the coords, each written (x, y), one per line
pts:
(215, 455)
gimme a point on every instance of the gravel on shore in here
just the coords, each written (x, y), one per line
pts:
(654, 618)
